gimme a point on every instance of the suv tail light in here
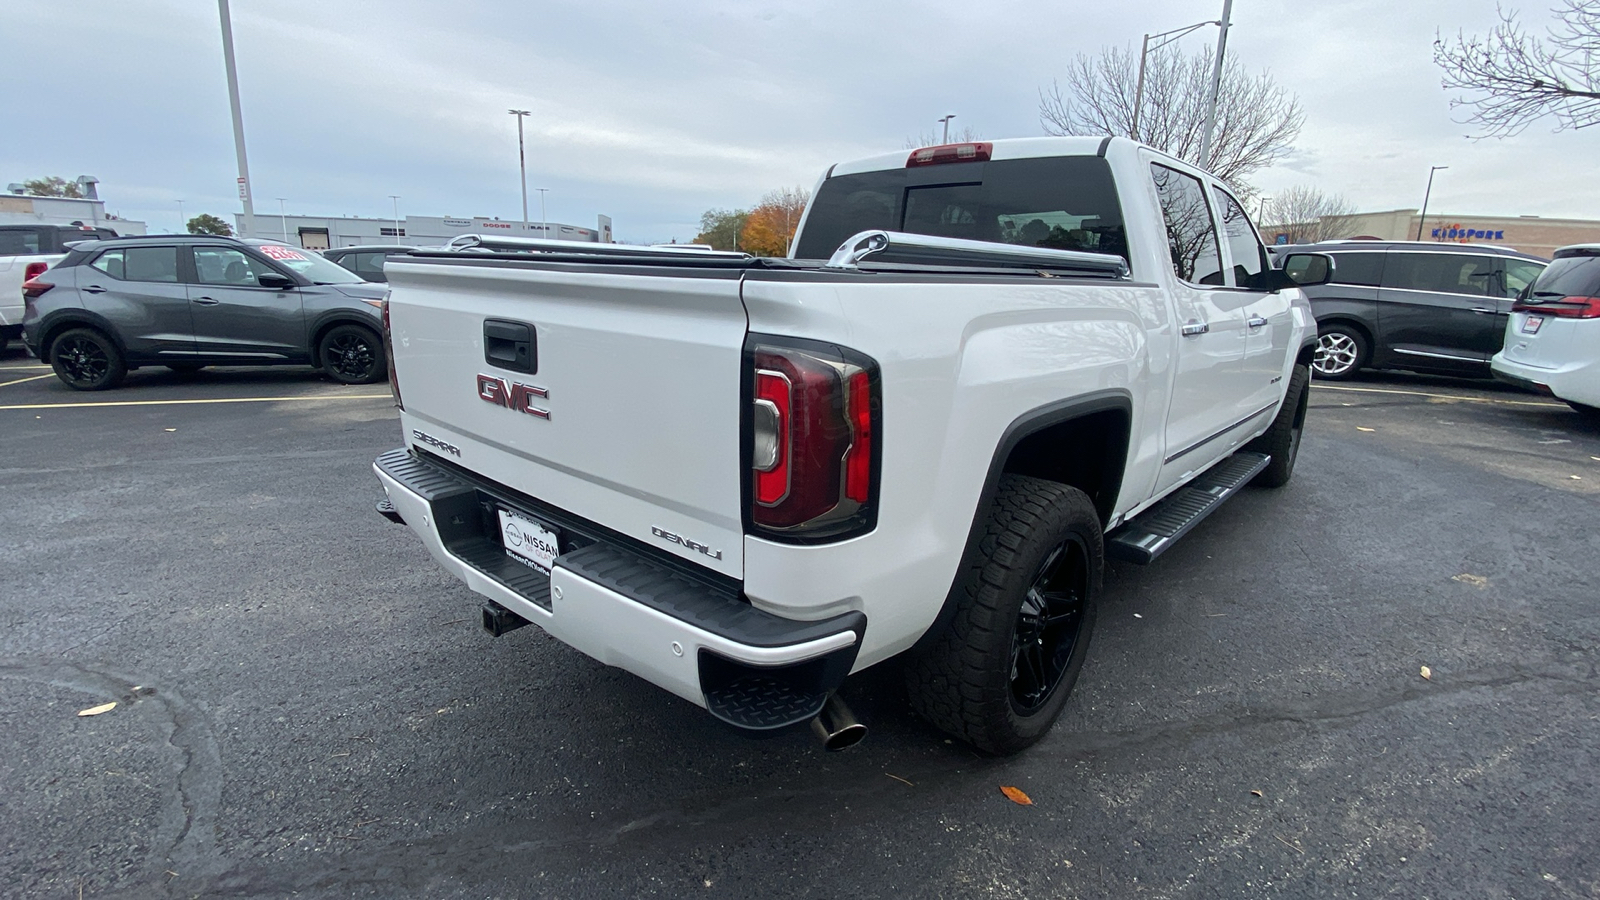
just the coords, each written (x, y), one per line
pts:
(975, 151)
(812, 440)
(388, 355)
(33, 289)
(1565, 308)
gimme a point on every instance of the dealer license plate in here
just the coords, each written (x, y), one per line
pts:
(1531, 325)
(527, 541)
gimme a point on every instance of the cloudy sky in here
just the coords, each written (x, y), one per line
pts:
(652, 112)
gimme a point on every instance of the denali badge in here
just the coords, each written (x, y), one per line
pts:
(432, 441)
(512, 395)
(679, 539)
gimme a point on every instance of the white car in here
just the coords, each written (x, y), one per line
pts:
(1553, 337)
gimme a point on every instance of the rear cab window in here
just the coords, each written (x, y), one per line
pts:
(19, 242)
(1063, 203)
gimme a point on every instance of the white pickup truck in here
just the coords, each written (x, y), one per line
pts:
(26, 251)
(984, 368)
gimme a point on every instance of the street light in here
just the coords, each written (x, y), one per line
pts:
(248, 223)
(544, 222)
(183, 224)
(1216, 86)
(522, 161)
(1162, 39)
(283, 220)
(396, 199)
(946, 121)
(1424, 217)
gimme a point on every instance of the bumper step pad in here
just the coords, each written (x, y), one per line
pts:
(1155, 530)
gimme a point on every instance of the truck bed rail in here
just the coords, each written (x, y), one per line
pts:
(924, 249)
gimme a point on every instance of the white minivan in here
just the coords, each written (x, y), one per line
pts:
(1553, 337)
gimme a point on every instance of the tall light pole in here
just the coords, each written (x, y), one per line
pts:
(946, 121)
(1261, 211)
(183, 224)
(283, 219)
(396, 199)
(544, 221)
(1424, 217)
(1216, 86)
(1161, 40)
(248, 223)
(522, 160)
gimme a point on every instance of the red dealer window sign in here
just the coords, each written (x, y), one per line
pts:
(280, 252)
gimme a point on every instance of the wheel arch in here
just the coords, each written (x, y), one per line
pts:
(321, 327)
(1082, 443)
(53, 326)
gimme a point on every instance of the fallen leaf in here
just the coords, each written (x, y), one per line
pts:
(898, 778)
(1255, 793)
(1469, 578)
(97, 710)
(1364, 428)
(1015, 795)
(1576, 477)
(1138, 616)
(1427, 673)
(172, 429)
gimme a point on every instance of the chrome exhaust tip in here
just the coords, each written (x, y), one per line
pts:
(836, 725)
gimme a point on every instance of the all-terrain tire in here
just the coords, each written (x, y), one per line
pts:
(85, 359)
(1039, 559)
(1282, 440)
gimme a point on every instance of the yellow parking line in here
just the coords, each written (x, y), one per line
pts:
(21, 380)
(20, 368)
(187, 402)
(1329, 387)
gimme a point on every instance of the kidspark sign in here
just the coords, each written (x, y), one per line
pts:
(1462, 235)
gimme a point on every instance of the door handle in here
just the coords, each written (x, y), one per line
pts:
(206, 301)
(94, 289)
(1255, 321)
(1190, 329)
(1484, 310)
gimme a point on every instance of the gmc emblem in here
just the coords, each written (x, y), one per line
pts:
(512, 395)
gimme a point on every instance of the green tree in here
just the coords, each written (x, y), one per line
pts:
(720, 228)
(206, 223)
(53, 186)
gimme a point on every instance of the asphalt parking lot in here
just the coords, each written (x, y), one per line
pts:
(307, 707)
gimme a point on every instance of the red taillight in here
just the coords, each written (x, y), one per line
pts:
(976, 151)
(812, 429)
(388, 355)
(31, 289)
(1565, 308)
(34, 270)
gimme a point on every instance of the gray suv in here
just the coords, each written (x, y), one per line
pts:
(1425, 306)
(186, 302)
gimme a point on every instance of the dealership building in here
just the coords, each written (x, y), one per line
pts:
(1530, 234)
(17, 207)
(326, 232)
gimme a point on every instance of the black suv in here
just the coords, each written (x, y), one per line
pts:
(186, 301)
(1418, 305)
(367, 260)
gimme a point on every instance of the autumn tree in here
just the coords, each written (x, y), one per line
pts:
(206, 223)
(53, 186)
(720, 228)
(1257, 120)
(772, 224)
(1511, 78)
(1307, 215)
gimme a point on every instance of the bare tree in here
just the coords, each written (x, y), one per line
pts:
(1308, 215)
(963, 135)
(1511, 78)
(1257, 120)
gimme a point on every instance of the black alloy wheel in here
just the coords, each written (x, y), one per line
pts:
(86, 360)
(353, 355)
(1048, 627)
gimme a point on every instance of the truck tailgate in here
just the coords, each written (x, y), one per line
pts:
(631, 415)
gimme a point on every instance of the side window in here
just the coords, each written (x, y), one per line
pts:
(369, 266)
(1444, 273)
(157, 264)
(1249, 257)
(1191, 237)
(220, 265)
(346, 260)
(19, 242)
(1358, 268)
(1519, 274)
